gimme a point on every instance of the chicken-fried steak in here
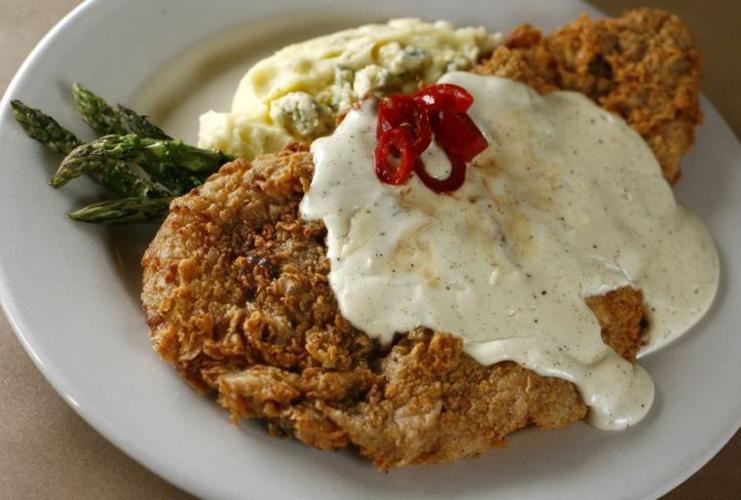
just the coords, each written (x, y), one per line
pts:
(237, 297)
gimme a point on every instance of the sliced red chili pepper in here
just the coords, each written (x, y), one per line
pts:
(458, 135)
(421, 131)
(402, 111)
(405, 128)
(444, 96)
(393, 112)
(395, 144)
(453, 181)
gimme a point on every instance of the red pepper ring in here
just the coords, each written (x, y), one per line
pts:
(396, 142)
(402, 112)
(452, 182)
(393, 112)
(458, 135)
(421, 130)
(441, 96)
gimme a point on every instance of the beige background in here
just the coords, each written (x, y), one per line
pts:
(46, 450)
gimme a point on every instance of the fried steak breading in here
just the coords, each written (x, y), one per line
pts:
(237, 296)
(642, 66)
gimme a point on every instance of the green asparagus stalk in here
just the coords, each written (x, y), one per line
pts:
(96, 112)
(45, 129)
(105, 119)
(123, 211)
(162, 159)
(137, 124)
(127, 179)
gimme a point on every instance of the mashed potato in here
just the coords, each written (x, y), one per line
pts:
(298, 93)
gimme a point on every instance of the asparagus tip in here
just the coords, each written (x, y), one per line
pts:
(56, 182)
(20, 109)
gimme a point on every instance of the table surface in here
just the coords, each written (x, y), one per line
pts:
(47, 450)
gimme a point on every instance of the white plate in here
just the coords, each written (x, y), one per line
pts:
(71, 290)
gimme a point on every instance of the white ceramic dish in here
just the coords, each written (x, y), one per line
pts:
(71, 290)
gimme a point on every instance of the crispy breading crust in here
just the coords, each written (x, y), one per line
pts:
(237, 297)
(642, 66)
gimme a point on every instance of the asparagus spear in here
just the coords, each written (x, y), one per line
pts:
(45, 129)
(122, 178)
(105, 119)
(96, 112)
(162, 159)
(137, 124)
(123, 211)
(127, 179)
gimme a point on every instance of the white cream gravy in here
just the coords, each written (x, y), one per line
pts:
(565, 203)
